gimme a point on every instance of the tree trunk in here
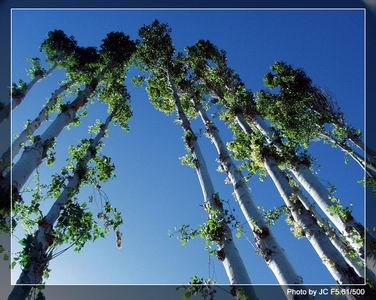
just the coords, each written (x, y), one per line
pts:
(232, 262)
(332, 259)
(340, 271)
(355, 262)
(273, 254)
(17, 101)
(322, 197)
(367, 165)
(319, 193)
(40, 256)
(31, 127)
(33, 155)
(362, 146)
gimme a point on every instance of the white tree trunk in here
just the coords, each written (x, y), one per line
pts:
(33, 155)
(31, 128)
(367, 165)
(322, 197)
(232, 262)
(17, 101)
(273, 254)
(34, 273)
(316, 189)
(329, 255)
(362, 146)
(355, 262)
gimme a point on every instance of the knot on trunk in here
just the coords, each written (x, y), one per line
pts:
(217, 201)
(48, 231)
(262, 232)
(266, 254)
(221, 254)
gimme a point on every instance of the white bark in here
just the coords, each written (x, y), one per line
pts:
(32, 126)
(33, 155)
(273, 254)
(329, 255)
(322, 197)
(233, 264)
(355, 262)
(17, 101)
(33, 274)
(366, 164)
(315, 188)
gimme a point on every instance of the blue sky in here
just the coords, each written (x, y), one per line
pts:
(152, 189)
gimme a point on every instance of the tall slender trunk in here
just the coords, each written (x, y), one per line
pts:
(33, 155)
(349, 227)
(332, 259)
(31, 128)
(355, 262)
(367, 165)
(356, 141)
(17, 101)
(340, 271)
(273, 254)
(230, 256)
(40, 257)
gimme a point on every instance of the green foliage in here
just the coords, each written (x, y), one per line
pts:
(75, 225)
(24, 258)
(251, 149)
(58, 47)
(159, 92)
(94, 129)
(370, 183)
(156, 49)
(302, 111)
(83, 66)
(19, 89)
(48, 150)
(273, 215)
(188, 160)
(210, 67)
(116, 51)
(199, 287)
(295, 228)
(36, 70)
(138, 81)
(213, 231)
(336, 208)
(114, 93)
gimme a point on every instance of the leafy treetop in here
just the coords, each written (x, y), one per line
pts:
(299, 108)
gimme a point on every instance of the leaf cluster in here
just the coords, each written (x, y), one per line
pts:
(36, 70)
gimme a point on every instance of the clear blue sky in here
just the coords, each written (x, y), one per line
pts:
(153, 191)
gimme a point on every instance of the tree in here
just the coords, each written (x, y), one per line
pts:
(87, 66)
(306, 113)
(74, 224)
(156, 55)
(268, 246)
(32, 126)
(230, 91)
(58, 47)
